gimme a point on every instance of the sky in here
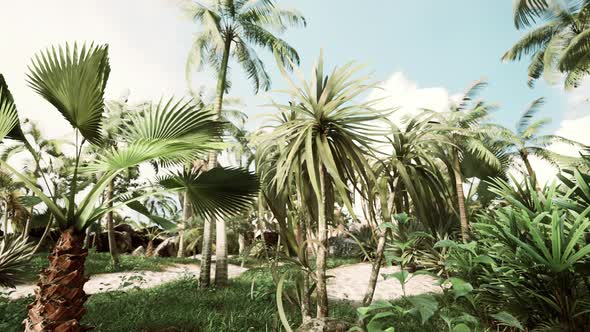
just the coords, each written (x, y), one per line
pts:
(424, 52)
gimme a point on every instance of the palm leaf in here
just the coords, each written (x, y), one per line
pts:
(9, 123)
(217, 192)
(73, 80)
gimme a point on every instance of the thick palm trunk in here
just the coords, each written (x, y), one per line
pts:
(59, 298)
(322, 290)
(110, 226)
(375, 269)
(460, 196)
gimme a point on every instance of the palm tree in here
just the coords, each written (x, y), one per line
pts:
(526, 140)
(72, 79)
(465, 135)
(560, 43)
(327, 139)
(230, 28)
(408, 181)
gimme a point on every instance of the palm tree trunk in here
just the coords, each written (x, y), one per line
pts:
(110, 226)
(29, 221)
(529, 168)
(149, 252)
(60, 297)
(322, 290)
(5, 230)
(186, 215)
(221, 276)
(241, 244)
(460, 196)
(375, 269)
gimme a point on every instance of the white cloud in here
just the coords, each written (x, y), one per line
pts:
(573, 128)
(400, 92)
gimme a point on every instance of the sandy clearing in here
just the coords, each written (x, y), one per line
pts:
(350, 283)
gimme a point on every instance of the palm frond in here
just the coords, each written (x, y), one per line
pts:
(217, 192)
(527, 12)
(73, 80)
(528, 114)
(9, 122)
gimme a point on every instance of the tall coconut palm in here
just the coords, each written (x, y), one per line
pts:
(232, 28)
(72, 79)
(526, 141)
(327, 139)
(560, 43)
(462, 127)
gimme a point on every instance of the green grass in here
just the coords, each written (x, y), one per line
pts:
(180, 304)
(100, 262)
(248, 304)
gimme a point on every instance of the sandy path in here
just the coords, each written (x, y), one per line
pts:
(106, 282)
(350, 283)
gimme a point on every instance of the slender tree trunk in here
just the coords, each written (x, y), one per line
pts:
(460, 196)
(60, 297)
(149, 252)
(29, 221)
(186, 215)
(241, 244)
(322, 290)
(110, 227)
(5, 225)
(45, 233)
(86, 244)
(220, 226)
(375, 269)
(529, 168)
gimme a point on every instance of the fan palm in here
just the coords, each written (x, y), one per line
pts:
(326, 138)
(462, 127)
(230, 28)
(526, 141)
(560, 43)
(174, 131)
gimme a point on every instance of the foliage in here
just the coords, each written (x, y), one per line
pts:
(14, 260)
(558, 41)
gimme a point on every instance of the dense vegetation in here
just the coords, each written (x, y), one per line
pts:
(447, 194)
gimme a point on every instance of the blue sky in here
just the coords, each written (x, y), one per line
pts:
(433, 43)
(424, 51)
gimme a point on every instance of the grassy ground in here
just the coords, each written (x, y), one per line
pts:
(248, 304)
(100, 262)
